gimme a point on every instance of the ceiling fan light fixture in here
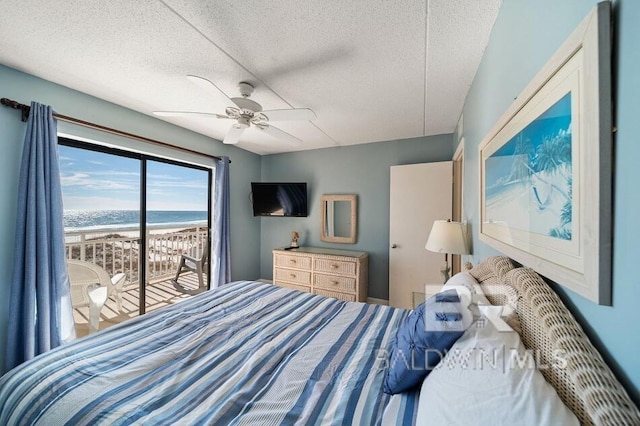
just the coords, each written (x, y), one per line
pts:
(242, 123)
(246, 112)
(247, 105)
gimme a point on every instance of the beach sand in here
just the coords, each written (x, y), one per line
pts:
(517, 206)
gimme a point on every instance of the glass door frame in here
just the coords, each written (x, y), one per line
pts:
(143, 159)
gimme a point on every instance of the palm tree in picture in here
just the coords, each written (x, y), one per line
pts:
(564, 230)
(566, 213)
(523, 151)
(553, 157)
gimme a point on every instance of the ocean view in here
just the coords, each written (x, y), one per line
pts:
(82, 220)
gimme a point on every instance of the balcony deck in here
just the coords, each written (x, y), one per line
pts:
(159, 294)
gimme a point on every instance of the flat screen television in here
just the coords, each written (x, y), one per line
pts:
(285, 199)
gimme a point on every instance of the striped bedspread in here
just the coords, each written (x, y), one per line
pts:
(247, 353)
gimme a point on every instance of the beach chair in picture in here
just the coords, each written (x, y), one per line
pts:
(195, 261)
(91, 286)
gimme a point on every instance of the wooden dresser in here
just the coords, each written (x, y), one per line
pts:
(341, 274)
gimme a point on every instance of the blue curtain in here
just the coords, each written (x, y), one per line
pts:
(41, 316)
(221, 251)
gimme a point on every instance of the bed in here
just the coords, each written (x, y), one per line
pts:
(253, 353)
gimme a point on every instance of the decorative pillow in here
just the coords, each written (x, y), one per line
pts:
(423, 339)
(489, 378)
(466, 280)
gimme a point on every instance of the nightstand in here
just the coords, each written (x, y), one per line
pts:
(431, 289)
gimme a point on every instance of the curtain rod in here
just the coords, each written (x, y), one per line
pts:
(25, 115)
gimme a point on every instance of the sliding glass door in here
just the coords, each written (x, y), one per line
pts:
(177, 228)
(142, 221)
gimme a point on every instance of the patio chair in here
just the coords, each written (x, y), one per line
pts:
(194, 263)
(91, 286)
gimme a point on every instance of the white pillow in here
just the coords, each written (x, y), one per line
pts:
(487, 379)
(494, 315)
(466, 280)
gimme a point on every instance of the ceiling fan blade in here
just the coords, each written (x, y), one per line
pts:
(279, 134)
(289, 114)
(233, 135)
(207, 85)
(184, 113)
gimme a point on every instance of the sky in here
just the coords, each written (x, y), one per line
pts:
(556, 120)
(99, 181)
(557, 117)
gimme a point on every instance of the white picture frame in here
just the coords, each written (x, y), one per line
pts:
(546, 167)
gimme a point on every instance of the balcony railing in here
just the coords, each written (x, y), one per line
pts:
(118, 250)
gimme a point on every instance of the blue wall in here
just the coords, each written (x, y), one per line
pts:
(525, 35)
(358, 169)
(245, 167)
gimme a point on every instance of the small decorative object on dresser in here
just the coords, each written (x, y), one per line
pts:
(341, 274)
(294, 239)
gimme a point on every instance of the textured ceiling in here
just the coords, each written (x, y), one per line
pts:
(371, 70)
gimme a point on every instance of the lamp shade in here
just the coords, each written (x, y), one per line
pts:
(447, 237)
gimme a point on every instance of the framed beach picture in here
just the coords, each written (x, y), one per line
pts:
(545, 172)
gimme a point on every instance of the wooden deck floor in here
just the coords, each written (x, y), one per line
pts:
(159, 294)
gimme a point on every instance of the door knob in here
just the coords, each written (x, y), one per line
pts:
(394, 246)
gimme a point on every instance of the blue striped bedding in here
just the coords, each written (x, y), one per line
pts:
(246, 353)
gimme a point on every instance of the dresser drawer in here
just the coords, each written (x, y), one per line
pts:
(292, 276)
(336, 295)
(293, 286)
(335, 266)
(334, 282)
(293, 261)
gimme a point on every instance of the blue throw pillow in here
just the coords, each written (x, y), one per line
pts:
(423, 340)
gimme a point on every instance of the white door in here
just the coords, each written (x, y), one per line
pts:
(420, 194)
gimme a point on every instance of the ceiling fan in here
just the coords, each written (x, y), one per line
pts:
(246, 113)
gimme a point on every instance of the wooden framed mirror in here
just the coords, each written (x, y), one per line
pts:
(339, 218)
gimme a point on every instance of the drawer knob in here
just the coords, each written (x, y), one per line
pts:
(334, 266)
(335, 282)
(292, 260)
(293, 275)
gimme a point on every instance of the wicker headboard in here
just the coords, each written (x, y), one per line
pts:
(585, 384)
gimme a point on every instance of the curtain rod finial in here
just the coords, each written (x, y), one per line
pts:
(17, 105)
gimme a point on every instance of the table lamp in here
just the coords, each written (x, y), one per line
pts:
(449, 238)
